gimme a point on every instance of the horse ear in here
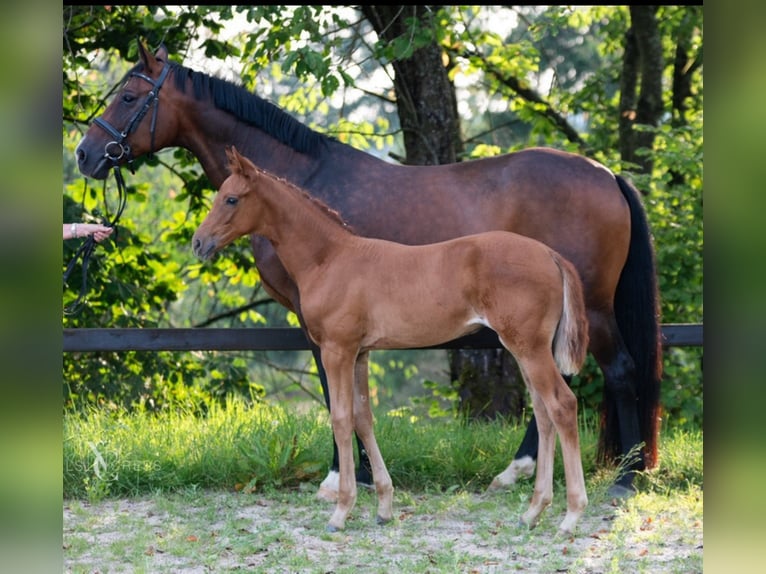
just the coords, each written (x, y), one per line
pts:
(246, 167)
(235, 164)
(151, 61)
(239, 163)
(162, 53)
(144, 54)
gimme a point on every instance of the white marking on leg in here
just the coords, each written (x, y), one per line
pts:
(523, 467)
(328, 490)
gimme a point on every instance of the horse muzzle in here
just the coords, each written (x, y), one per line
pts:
(91, 164)
(204, 248)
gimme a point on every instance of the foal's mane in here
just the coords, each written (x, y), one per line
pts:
(249, 108)
(328, 211)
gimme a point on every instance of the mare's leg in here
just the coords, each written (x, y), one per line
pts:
(523, 463)
(340, 371)
(364, 427)
(364, 472)
(620, 399)
(328, 489)
(555, 407)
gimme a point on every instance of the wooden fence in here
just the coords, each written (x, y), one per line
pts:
(281, 339)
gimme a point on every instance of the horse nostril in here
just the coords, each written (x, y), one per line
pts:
(196, 244)
(80, 155)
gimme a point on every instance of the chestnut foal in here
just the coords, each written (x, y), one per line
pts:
(358, 294)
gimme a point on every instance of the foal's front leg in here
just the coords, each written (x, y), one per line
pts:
(339, 365)
(364, 427)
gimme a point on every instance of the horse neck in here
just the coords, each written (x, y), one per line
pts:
(302, 232)
(207, 131)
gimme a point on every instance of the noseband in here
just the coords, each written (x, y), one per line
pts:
(119, 147)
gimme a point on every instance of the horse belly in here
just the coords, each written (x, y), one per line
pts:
(415, 339)
(411, 327)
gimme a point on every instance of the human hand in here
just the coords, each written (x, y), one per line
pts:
(98, 231)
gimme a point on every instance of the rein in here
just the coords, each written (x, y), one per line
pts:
(89, 245)
(114, 151)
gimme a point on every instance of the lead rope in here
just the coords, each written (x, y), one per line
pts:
(89, 245)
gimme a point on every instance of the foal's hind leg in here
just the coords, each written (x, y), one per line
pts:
(555, 406)
(543, 491)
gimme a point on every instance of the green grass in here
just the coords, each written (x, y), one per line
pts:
(255, 447)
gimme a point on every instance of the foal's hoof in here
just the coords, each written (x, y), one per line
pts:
(564, 533)
(333, 529)
(381, 521)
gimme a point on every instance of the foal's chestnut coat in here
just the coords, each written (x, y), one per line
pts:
(358, 294)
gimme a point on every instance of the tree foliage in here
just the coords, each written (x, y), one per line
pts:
(558, 77)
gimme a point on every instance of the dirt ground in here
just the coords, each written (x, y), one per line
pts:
(228, 532)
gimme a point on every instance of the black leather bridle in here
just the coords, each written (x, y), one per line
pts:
(119, 148)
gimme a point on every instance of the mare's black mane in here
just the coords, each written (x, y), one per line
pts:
(249, 108)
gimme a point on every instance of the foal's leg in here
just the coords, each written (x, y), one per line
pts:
(546, 451)
(364, 426)
(364, 472)
(563, 412)
(339, 363)
(555, 406)
(328, 489)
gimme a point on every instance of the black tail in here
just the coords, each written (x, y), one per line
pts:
(637, 311)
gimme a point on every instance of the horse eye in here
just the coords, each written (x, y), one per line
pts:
(231, 200)
(128, 98)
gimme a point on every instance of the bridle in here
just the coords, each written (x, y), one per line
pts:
(119, 148)
(114, 151)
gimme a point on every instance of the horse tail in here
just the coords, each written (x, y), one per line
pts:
(570, 341)
(637, 310)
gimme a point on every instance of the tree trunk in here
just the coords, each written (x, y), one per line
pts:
(683, 70)
(642, 69)
(488, 381)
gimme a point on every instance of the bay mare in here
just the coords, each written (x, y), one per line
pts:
(359, 294)
(571, 203)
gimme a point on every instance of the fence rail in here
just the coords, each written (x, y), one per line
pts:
(281, 339)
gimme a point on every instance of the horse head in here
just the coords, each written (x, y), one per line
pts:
(132, 124)
(234, 212)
